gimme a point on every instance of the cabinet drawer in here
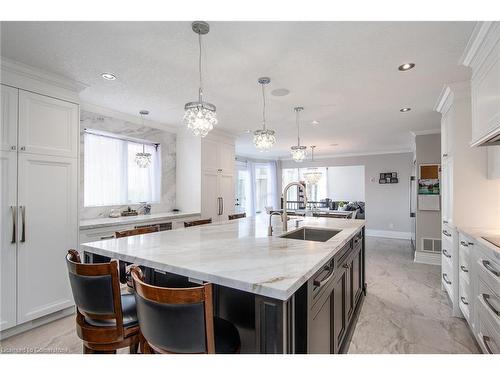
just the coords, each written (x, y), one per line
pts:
(447, 278)
(487, 336)
(489, 272)
(489, 303)
(464, 300)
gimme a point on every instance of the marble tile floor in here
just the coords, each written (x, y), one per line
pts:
(405, 311)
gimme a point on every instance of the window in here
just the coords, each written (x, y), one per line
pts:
(242, 190)
(111, 176)
(315, 193)
(261, 187)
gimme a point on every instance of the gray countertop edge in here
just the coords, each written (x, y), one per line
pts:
(259, 289)
(477, 233)
(136, 219)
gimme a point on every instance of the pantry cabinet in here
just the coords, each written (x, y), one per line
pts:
(205, 174)
(39, 218)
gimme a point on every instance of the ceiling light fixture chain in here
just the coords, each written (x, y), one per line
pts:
(143, 159)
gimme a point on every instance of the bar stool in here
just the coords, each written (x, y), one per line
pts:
(181, 320)
(106, 320)
(197, 222)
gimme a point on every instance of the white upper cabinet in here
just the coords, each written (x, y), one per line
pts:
(8, 119)
(47, 125)
(210, 155)
(483, 56)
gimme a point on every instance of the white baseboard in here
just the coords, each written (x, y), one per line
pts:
(427, 258)
(388, 234)
(36, 323)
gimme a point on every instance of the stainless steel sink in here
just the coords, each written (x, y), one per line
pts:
(311, 234)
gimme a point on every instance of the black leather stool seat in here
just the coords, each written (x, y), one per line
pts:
(227, 338)
(129, 314)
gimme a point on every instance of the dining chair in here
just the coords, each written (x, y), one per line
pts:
(197, 222)
(106, 320)
(237, 216)
(180, 320)
(127, 233)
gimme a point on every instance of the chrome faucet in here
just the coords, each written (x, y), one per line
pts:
(285, 202)
(270, 227)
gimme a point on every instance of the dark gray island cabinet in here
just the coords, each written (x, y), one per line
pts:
(321, 316)
(311, 295)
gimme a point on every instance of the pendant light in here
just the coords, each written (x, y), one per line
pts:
(264, 139)
(200, 117)
(143, 159)
(312, 175)
(298, 152)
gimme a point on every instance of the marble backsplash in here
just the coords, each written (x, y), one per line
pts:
(117, 126)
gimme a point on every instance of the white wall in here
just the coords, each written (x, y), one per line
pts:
(387, 205)
(346, 183)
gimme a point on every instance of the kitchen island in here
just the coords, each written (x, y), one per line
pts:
(285, 295)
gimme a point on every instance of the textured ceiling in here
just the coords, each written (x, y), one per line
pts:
(344, 74)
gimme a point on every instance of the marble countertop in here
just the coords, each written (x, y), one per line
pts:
(478, 233)
(236, 253)
(112, 221)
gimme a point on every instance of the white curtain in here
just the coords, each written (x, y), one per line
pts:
(272, 186)
(250, 209)
(111, 176)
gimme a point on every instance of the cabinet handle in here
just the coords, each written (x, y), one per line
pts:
(22, 148)
(486, 340)
(23, 225)
(445, 278)
(488, 266)
(464, 301)
(463, 268)
(445, 155)
(14, 214)
(13, 148)
(486, 298)
(446, 254)
(445, 221)
(446, 233)
(463, 243)
(470, 243)
(107, 237)
(222, 205)
(320, 283)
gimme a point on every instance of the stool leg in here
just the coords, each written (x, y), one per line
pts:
(133, 348)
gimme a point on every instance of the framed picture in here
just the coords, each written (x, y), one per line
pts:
(394, 180)
(388, 175)
(382, 176)
(381, 181)
(394, 174)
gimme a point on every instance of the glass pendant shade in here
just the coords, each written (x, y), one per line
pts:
(200, 117)
(264, 140)
(299, 153)
(143, 159)
(312, 175)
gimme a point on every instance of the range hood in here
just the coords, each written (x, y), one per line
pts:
(492, 139)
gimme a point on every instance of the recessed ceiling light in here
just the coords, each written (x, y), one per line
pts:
(406, 109)
(108, 76)
(406, 66)
(280, 92)
(315, 122)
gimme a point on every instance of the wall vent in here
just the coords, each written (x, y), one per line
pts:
(432, 245)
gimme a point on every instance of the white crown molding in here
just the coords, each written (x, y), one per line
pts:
(94, 108)
(414, 133)
(37, 74)
(476, 39)
(354, 154)
(450, 92)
